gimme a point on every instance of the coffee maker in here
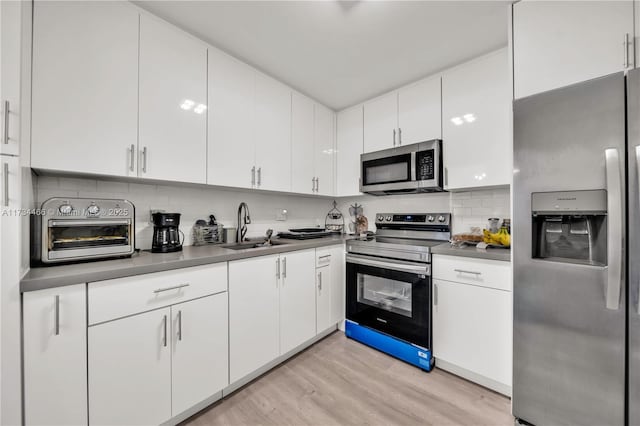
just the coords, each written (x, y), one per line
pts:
(166, 235)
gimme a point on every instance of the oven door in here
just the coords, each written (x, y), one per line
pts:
(390, 296)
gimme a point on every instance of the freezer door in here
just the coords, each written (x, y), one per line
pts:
(569, 318)
(633, 114)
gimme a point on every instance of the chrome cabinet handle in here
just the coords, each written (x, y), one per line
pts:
(399, 136)
(144, 159)
(5, 176)
(175, 287)
(394, 137)
(278, 268)
(435, 294)
(317, 184)
(615, 222)
(179, 325)
(56, 309)
(284, 267)
(638, 187)
(462, 271)
(324, 257)
(253, 176)
(5, 135)
(164, 336)
(259, 176)
(313, 184)
(625, 45)
(320, 280)
(131, 158)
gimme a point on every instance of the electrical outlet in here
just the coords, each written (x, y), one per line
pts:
(281, 214)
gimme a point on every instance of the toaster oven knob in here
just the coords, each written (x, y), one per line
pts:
(93, 210)
(441, 219)
(431, 218)
(380, 218)
(65, 209)
(389, 218)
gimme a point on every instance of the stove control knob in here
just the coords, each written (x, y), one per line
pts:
(380, 218)
(431, 218)
(441, 219)
(93, 210)
(389, 218)
(65, 209)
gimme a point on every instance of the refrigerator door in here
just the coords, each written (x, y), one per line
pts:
(633, 114)
(569, 318)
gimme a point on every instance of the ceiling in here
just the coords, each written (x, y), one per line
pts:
(342, 53)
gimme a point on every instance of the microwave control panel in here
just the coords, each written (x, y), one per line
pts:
(425, 165)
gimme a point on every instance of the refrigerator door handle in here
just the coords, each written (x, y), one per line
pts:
(615, 221)
(638, 187)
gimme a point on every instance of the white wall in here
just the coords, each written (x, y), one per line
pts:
(471, 208)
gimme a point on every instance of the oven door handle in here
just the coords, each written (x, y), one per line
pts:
(395, 266)
(55, 223)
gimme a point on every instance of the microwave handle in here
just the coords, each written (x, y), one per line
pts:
(413, 166)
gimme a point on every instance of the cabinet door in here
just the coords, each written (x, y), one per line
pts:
(253, 315)
(302, 144)
(130, 370)
(297, 299)
(273, 134)
(173, 103)
(420, 111)
(55, 356)
(324, 284)
(10, 79)
(349, 140)
(381, 122)
(200, 357)
(557, 43)
(231, 150)
(338, 288)
(85, 87)
(472, 328)
(324, 149)
(476, 107)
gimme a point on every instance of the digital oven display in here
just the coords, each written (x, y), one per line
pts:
(409, 218)
(425, 165)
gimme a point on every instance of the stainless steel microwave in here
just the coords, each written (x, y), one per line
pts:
(404, 169)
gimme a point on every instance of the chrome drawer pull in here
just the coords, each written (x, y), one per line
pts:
(160, 290)
(179, 325)
(164, 337)
(324, 257)
(462, 271)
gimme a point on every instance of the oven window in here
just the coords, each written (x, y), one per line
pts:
(387, 170)
(76, 237)
(384, 293)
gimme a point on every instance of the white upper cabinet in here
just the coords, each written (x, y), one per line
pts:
(381, 122)
(231, 149)
(420, 111)
(302, 144)
(476, 110)
(557, 43)
(173, 103)
(349, 137)
(324, 142)
(272, 134)
(10, 78)
(85, 87)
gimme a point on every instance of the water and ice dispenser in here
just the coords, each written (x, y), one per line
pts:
(570, 226)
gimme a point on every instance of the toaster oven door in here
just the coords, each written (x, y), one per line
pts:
(86, 239)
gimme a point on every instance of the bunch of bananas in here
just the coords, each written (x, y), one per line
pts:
(501, 237)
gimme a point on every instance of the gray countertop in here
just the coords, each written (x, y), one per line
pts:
(472, 251)
(145, 262)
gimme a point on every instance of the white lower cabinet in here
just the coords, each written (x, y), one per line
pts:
(55, 362)
(130, 370)
(472, 324)
(200, 350)
(329, 287)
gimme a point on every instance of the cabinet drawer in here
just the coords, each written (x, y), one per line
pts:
(324, 256)
(481, 272)
(126, 296)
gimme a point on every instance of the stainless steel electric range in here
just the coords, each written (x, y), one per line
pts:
(389, 284)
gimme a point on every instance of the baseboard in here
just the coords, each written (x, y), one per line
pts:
(474, 377)
(193, 410)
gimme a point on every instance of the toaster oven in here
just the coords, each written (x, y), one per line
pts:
(78, 229)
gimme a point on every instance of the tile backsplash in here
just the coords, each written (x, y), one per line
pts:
(471, 208)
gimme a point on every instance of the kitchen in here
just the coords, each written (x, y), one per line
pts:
(208, 220)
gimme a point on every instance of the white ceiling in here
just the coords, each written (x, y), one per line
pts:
(342, 53)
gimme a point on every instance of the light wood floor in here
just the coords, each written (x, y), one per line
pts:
(341, 382)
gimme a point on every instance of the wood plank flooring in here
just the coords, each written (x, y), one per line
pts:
(341, 382)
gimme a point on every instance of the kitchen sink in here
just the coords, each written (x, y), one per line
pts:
(252, 245)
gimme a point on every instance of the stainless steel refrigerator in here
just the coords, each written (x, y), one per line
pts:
(576, 240)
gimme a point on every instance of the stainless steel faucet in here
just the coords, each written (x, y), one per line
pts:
(243, 221)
